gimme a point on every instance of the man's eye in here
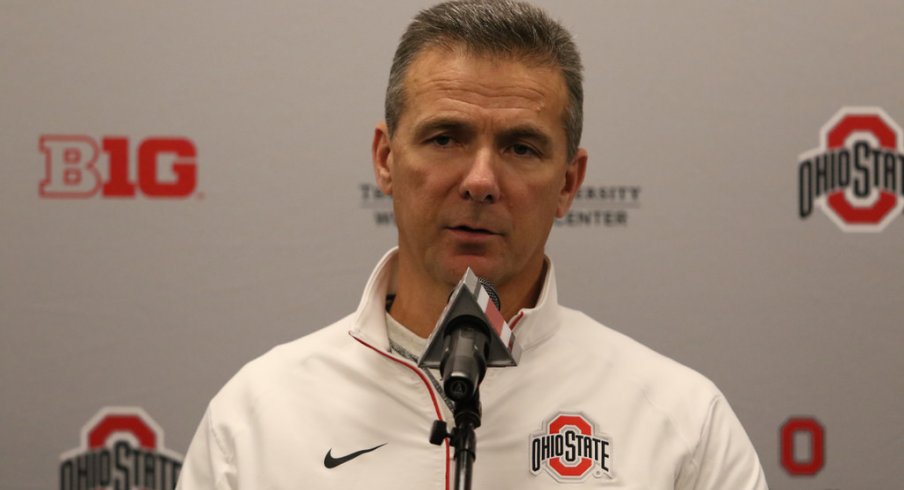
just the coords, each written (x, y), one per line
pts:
(523, 150)
(442, 140)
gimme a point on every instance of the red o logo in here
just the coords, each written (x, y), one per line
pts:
(584, 464)
(131, 424)
(836, 134)
(810, 427)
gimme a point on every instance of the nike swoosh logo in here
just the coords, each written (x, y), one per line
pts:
(330, 462)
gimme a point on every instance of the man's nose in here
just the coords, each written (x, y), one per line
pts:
(481, 183)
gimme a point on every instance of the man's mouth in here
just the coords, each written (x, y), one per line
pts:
(469, 229)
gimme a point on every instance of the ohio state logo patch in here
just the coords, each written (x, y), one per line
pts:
(121, 448)
(856, 176)
(570, 448)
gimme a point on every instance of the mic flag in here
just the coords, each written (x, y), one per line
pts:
(470, 302)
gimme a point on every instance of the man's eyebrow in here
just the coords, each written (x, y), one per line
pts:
(527, 132)
(518, 132)
(423, 128)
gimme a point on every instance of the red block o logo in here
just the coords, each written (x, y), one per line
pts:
(887, 137)
(556, 426)
(112, 424)
(810, 427)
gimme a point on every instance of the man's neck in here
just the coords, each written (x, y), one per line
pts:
(415, 310)
(418, 306)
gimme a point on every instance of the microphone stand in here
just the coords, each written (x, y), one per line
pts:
(466, 342)
(467, 418)
(462, 438)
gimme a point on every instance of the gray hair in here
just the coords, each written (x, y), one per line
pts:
(488, 27)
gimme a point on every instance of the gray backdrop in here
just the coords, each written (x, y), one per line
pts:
(696, 110)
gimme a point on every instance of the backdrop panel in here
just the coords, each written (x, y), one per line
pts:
(185, 186)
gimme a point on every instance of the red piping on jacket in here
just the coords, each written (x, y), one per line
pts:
(417, 371)
(516, 320)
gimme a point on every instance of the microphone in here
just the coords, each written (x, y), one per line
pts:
(470, 336)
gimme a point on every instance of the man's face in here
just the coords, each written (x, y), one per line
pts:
(477, 166)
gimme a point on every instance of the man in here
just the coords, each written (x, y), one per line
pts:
(480, 154)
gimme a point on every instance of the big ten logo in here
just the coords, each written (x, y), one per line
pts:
(78, 166)
(802, 446)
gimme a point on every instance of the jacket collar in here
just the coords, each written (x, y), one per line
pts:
(531, 325)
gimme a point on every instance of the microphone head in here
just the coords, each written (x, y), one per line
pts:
(473, 298)
(491, 292)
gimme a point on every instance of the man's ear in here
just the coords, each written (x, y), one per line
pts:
(382, 158)
(574, 177)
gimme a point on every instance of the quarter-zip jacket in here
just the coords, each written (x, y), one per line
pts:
(586, 405)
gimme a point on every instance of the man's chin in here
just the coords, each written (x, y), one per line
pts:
(484, 266)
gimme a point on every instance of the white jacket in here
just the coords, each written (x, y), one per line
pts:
(585, 404)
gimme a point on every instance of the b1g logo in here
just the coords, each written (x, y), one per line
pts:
(121, 448)
(569, 448)
(856, 176)
(165, 167)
